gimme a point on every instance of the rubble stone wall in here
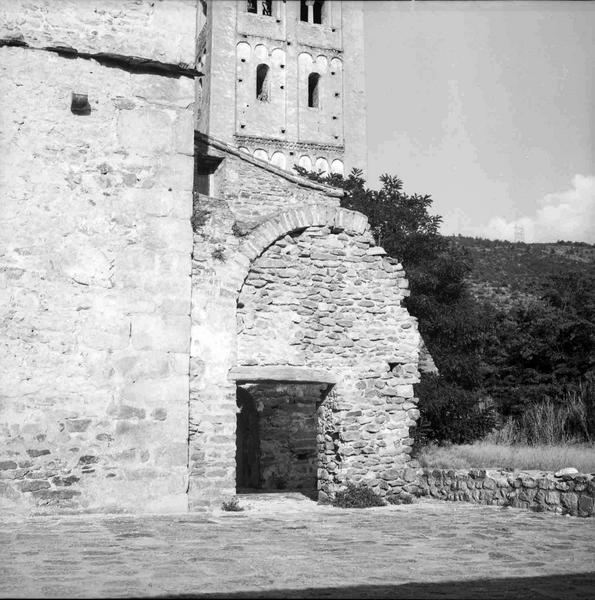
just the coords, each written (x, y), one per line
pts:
(255, 191)
(95, 250)
(288, 434)
(572, 493)
(327, 299)
(306, 287)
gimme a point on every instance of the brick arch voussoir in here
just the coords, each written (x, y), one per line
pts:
(281, 224)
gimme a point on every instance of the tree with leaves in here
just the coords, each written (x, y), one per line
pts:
(450, 321)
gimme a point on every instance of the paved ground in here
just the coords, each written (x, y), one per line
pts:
(289, 547)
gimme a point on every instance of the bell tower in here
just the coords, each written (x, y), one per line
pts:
(284, 80)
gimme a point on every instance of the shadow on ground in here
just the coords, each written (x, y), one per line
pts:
(564, 586)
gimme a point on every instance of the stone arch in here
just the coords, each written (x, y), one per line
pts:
(243, 50)
(278, 56)
(261, 154)
(268, 232)
(337, 167)
(279, 160)
(261, 52)
(305, 60)
(225, 288)
(305, 162)
(322, 165)
(315, 300)
(336, 66)
(322, 63)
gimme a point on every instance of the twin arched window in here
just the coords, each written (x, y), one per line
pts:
(263, 86)
(260, 7)
(311, 11)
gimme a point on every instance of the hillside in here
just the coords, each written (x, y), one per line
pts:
(511, 272)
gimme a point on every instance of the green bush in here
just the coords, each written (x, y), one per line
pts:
(357, 496)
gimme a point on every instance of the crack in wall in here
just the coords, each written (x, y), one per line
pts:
(131, 64)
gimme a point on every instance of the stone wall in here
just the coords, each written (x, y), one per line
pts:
(288, 434)
(327, 299)
(160, 31)
(95, 252)
(255, 190)
(564, 492)
(284, 277)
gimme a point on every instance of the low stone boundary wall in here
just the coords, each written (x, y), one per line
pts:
(563, 492)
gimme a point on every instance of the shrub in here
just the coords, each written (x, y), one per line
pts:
(451, 413)
(218, 253)
(232, 505)
(357, 496)
(237, 230)
(569, 418)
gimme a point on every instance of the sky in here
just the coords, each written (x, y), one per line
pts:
(488, 106)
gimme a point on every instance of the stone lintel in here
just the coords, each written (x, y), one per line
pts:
(281, 374)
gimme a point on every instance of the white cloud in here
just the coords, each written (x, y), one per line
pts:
(568, 215)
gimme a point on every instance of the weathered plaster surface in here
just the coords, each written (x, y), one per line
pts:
(161, 31)
(95, 264)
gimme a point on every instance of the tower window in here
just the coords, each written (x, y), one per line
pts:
(304, 11)
(262, 83)
(311, 11)
(260, 7)
(314, 90)
(318, 11)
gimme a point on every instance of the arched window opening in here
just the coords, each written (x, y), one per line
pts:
(260, 7)
(314, 90)
(311, 11)
(317, 12)
(262, 83)
(304, 11)
(267, 7)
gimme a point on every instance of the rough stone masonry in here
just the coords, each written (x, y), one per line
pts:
(134, 318)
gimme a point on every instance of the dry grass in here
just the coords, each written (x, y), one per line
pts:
(499, 456)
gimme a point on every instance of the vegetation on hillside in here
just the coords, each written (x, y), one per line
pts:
(511, 327)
